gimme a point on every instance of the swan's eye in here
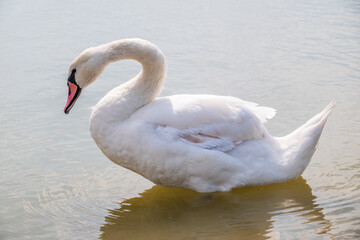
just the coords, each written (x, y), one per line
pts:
(73, 71)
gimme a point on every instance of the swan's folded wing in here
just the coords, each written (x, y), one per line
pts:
(211, 122)
(207, 141)
(196, 138)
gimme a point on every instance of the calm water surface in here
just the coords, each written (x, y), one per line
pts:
(293, 56)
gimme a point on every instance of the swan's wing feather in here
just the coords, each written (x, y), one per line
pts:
(196, 138)
(211, 122)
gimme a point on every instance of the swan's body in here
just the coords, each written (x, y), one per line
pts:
(202, 142)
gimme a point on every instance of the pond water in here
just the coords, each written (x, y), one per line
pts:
(295, 56)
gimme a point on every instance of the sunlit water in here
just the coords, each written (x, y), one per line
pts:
(293, 56)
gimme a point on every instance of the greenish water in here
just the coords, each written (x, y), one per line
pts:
(292, 56)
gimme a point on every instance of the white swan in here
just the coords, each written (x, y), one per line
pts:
(202, 142)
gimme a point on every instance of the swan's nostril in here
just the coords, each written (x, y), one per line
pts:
(67, 83)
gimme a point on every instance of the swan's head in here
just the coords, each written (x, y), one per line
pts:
(84, 70)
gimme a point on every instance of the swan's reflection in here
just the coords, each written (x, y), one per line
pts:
(249, 213)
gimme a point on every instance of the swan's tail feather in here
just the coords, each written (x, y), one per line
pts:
(316, 123)
(301, 144)
(321, 117)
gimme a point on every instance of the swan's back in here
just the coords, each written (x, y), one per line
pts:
(193, 111)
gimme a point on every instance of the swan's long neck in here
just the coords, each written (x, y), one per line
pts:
(121, 102)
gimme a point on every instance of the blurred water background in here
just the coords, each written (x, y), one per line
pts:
(295, 56)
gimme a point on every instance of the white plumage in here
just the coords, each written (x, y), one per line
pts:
(202, 142)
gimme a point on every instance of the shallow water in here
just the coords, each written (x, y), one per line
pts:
(293, 56)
